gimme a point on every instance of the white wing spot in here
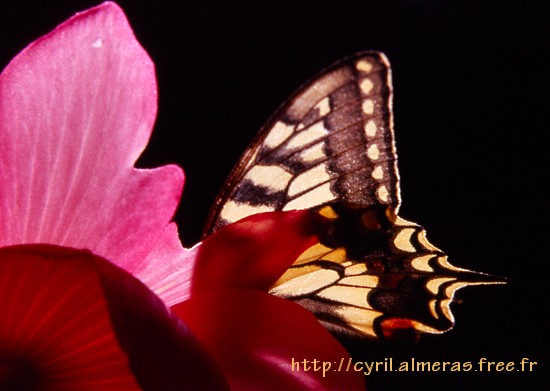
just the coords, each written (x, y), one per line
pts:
(366, 86)
(308, 136)
(378, 173)
(313, 153)
(382, 193)
(323, 106)
(274, 178)
(308, 179)
(278, 134)
(370, 129)
(234, 211)
(363, 65)
(317, 196)
(368, 106)
(373, 152)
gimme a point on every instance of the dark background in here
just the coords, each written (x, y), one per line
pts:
(470, 103)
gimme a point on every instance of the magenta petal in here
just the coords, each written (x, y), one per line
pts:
(256, 338)
(168, 268)
(76, 110)
(254, 252)
(72, 321)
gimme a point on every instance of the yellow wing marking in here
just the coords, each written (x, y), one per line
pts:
(422, 263)
(434, 284)
(402, 240)
(306, 283)
(358, 268)
(363, 280)
(317, 251)
(360, 319)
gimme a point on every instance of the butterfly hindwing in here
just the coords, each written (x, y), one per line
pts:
(330, 148)
(375, 275)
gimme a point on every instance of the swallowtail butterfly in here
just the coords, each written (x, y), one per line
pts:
(330, 148)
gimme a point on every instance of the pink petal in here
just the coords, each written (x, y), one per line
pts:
(70, 320)
(256, 337)
(168, 269)
(76, 110)
(254, 252)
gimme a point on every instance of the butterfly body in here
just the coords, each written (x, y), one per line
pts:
(331, 149)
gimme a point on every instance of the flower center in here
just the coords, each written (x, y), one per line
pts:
(18, 375)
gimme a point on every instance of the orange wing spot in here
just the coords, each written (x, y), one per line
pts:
(399, 329)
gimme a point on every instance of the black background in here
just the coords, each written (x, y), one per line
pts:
(470, 105)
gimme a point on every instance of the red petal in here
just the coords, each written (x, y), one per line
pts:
(76, 109)
(254, 252)
(256, 337)
(71, 321)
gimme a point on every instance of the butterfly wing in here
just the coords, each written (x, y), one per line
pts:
(332, 141)
(331, 148)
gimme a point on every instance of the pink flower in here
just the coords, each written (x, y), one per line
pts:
(76, 109)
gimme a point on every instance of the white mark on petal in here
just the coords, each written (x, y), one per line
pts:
(98, 43)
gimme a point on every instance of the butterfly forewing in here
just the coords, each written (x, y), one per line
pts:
(333, 141)
(330, 148)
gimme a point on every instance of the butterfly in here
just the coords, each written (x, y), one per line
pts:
(330, 148)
